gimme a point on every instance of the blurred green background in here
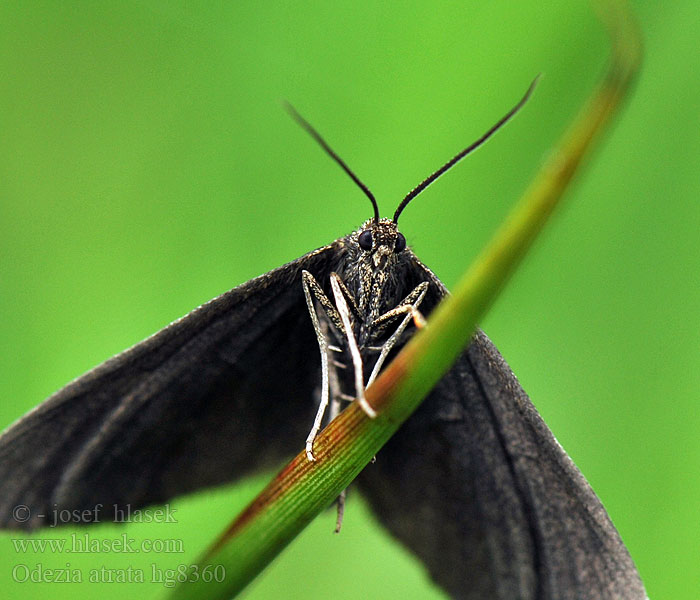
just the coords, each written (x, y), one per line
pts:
(146, 166)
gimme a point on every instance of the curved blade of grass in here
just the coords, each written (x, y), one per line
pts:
(303, 489)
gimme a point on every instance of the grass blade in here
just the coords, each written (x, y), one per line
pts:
(303, 489)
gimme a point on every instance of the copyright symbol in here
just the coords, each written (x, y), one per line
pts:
(21, 513)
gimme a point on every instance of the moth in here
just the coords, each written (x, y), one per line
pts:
(474, 483)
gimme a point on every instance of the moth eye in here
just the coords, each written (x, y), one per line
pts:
(400, 243)
(365, 240)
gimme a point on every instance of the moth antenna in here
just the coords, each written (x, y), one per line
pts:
(317, 136)
(468, 150)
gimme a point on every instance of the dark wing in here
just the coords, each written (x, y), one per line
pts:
(476, 485)
(227, 389)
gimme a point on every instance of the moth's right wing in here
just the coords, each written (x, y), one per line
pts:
(227, 389)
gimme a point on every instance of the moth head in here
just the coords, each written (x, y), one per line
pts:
(382, 237)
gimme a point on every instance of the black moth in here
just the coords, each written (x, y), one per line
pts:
(474, 483)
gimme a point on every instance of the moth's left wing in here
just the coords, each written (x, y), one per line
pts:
(227, 389)
(476, 485)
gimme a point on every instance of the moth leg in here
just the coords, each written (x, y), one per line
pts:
(344, 313)
(337, 398)
(311, 286)
(340, 504)
(334, 362)
(409, 304)
(349, 299)
(409, 307)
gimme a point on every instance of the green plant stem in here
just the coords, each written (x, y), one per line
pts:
(303, 489)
